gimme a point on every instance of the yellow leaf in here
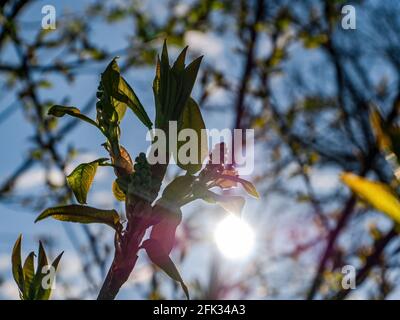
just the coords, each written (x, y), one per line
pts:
(118, 193)
(377, 194)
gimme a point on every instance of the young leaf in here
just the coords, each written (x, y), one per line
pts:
(192, 119)
(42, 258)
(17, 264)
(112, 109)
(159, 257)
(178, 188)
(377, 194)
(81, 178)
(250, 188)
(29, 272)
(188, 80)
(179, 64)
(36, 286)
(44, 294)
(82, 214)
(60, 111)
(110, 77)
(121, 95)
(128, 96)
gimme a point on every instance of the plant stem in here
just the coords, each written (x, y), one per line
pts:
(127, 245)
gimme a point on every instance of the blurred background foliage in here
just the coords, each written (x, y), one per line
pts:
(286, 69)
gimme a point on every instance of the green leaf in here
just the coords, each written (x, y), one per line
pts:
(159, 257)
(377, 194)
(17, 264)
(122, 95)
(188, 79)
(178, 188)
(172, 86)
(179, 64)
(44, 294)
(81, 178)
(36, 286)
(192, 119)
(60, 111)
(82, 214)
(42, 258)
(164, 54)
(110, 77)
(129, 97)
(110, 80)
(29, 272)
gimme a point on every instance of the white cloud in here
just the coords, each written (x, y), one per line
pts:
(325, 180)
(102, 198)
(70, 267)
(142, 274)
(5, 263)
(204, 43)
(9, 290)
(81, 158)
(36, 177)
(181, 9)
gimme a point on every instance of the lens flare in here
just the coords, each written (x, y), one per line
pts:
(234, 238)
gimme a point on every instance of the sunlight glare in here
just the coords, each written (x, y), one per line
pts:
(234, 238)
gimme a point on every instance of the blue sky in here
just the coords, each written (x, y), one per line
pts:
(15, 133)
(14, 141)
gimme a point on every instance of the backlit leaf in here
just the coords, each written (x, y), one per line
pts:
(36, 286)
(17, 264)
(81, 178)
(29, 273)
(60, 111)
(44, 294)
(130, 98)
(178, 188)
(179, 64)
(250, 188)
(192, 119)
(377, 194)
(82, 214)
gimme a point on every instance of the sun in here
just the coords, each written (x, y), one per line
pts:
(234, 238)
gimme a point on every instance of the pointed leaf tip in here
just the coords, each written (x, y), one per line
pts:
(82, 214)
(159, 257)
(16, 263)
